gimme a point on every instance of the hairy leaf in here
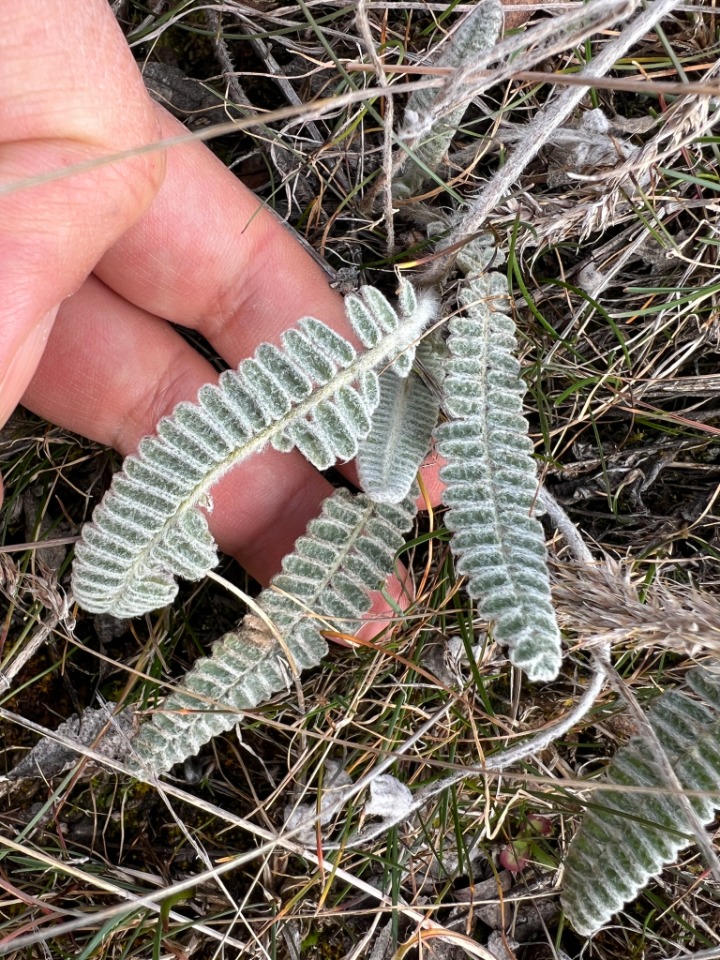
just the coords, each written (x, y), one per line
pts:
(628, 837)
(348, 551)
(389, 457)
(315, 394)
(491, 480)
(107, 732)
(425, 119)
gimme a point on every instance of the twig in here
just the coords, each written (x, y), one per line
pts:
(500, 761)
(567, 528)
(275, 71)
(624, 84)
(34, 644)
(272, 841)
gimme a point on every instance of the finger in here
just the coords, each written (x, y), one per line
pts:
(210, 256)
(69, 92)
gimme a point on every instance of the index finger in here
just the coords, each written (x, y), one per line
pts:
(211, 256)
(208, 255)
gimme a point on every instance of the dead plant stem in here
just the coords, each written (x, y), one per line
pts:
(541, 128)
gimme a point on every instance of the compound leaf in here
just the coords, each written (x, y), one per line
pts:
(316, 394)
(390, 456)
(324, 584)
(628, 837)
(491, 480)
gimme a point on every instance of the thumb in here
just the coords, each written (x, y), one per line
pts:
(57, 110)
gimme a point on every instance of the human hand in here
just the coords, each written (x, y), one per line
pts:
(199, 251)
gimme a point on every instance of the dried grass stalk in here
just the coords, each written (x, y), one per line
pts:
(602, 604)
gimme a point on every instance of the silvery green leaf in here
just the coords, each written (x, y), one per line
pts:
(324, 583)
(431, 132)
(491, 480)
(313, 393)
(628, 836)
(390, 456)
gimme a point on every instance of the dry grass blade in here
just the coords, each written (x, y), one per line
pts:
(285, 839)
(602, 605)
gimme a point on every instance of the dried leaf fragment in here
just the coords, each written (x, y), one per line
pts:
(49, 757)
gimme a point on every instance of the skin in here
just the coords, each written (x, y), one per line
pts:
(93, 266)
